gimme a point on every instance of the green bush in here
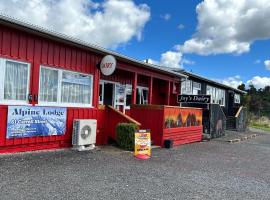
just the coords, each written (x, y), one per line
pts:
(125, 135)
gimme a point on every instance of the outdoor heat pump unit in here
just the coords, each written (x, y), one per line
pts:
(84, 134)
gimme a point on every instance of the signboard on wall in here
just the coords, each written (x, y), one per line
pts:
(194, 98)
(31, 121)
(108, 65)
(142, 143)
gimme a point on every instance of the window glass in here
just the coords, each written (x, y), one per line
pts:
(196, 88)
(145, 96)
(142, 95)
(120, 94)
(49, 85)
(138, 96)
(16, 81)
(100, 93)
(128, 94)
(76, 88)
(186, 87)
(237, 98)
(217, 95)
(62, 86)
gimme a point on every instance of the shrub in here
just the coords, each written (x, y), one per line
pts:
(125, 135)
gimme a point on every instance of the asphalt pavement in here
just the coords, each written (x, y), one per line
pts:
(206, 170)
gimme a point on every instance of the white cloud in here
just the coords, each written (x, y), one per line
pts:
(259, 82)
(109, 24)
(181, 26)
(171, 59)
(151, 61)
(258, 61)
(267, 64)
(234, 81)
(228, 26)
(166, 17)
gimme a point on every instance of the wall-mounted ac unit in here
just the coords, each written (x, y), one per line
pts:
(84, 134)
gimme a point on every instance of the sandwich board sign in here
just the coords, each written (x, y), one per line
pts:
(142, 148)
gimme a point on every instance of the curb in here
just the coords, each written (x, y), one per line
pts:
(242, 138)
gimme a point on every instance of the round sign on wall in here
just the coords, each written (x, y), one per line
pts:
(108, 65)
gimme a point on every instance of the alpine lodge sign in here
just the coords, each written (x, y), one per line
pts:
(194, 99)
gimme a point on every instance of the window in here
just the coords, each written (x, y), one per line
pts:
(14, 81)
(196, 88)
(101, 93)
(190, 87)
(142, 95)
(186, 87)
(128, 95)
(64, 87)
(217, 95)
(237, 98)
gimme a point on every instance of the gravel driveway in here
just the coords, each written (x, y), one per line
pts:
(207, 170)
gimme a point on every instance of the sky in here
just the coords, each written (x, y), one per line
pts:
(224, 40)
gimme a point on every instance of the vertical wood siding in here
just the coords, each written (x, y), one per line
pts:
(21, 46)
(36, 50)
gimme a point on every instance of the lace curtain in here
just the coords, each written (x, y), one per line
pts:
(75, 88)
(49, 85)
(16, 81)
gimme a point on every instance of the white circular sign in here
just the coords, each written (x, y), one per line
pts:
(108, 65)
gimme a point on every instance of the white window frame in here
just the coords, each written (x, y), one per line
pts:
(216, 94)
(184, 86)
(2, 83)
(141, 88)
(196, 88)
(127, 86)
(101, 100)
(59, 90)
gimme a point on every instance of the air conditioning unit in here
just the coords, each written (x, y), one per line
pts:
(84, 134)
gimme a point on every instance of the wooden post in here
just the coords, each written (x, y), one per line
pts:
(134, 88)
(168, 93)
(150, 95)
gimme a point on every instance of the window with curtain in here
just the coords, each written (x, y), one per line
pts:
(49, 85)
(14, 81)
(196, 88)
(66, 87)
(186, 87)
(237, 98)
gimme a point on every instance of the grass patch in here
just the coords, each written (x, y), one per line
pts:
(261, 127)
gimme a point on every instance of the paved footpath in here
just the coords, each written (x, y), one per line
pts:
(207, 170)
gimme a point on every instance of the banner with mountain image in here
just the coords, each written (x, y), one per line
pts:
(31, 121)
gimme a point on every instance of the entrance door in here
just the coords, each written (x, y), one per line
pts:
(231, 104)
(108, 94)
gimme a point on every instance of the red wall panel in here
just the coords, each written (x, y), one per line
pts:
(37, 50)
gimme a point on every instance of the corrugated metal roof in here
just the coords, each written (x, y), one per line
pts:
(44, 31)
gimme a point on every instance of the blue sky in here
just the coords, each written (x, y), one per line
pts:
(161, 35)
(223, 40)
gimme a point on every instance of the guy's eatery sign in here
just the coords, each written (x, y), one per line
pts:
(108, 65)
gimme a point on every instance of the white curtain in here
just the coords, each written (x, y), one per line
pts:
(16, 81)
(76, 88)
(48, 85)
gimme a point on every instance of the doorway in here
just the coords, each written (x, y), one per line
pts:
(114, 94)
(108, 94)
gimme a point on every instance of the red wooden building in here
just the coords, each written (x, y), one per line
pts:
(38, 68)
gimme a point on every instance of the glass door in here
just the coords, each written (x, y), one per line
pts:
(119, 96)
